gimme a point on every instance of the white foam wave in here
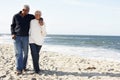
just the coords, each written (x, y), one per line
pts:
(88, 52)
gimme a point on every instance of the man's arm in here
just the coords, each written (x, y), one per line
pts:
(13, 25)
(32, 16)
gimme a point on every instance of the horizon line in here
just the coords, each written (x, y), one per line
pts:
(71, 34)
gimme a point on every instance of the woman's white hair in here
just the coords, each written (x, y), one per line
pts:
(38, 12)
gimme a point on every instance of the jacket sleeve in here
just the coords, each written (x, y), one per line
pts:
(30, 28)
(13, 25)
(44, 33)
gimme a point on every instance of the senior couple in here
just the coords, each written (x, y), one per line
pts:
(27, 29)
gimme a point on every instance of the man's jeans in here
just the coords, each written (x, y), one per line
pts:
(21, 51)
(35, 49)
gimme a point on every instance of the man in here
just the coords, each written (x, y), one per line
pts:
(19, 31)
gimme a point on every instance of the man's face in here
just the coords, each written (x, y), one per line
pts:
(25, 11)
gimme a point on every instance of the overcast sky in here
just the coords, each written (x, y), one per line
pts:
(84, 17)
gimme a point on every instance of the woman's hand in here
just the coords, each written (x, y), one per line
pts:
(41, 23)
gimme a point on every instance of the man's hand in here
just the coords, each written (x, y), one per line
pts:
(13, 36)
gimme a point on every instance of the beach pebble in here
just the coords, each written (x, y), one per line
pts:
(91, 68)
(33, 79)
(110, 69)
(2, 74)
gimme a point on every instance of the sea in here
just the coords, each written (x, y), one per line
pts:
(88, 46)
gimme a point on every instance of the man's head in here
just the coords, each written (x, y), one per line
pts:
(25, 9)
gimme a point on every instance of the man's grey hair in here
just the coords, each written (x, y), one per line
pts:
(26, 7)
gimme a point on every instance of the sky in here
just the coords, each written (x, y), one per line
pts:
(74, 17)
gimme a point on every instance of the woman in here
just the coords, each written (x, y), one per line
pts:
(37, 33)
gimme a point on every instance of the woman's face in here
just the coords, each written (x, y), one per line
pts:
(37, 16)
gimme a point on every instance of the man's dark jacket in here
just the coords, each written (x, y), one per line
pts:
(20, 25)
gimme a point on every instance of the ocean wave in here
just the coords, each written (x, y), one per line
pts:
(88, 52)
(93, 47)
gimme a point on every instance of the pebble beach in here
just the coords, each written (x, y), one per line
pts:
(56, 66)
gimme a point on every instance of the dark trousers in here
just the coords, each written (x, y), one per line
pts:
(35, 49)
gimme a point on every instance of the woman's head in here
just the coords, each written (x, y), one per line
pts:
(38, 14)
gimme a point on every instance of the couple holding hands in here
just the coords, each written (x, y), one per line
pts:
(27, 29)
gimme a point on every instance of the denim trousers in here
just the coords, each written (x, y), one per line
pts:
(21, 51)
(35, 49)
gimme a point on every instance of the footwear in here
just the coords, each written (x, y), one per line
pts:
(18, 72)
(37, 72)
(24, 70)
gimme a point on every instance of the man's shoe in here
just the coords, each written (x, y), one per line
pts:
(18, 72)
(24, 70)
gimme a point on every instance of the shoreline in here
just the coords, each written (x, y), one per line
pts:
(55, 66)
(83, 52)
(103, 52)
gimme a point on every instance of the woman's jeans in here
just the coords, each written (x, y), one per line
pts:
(35, 49)
(21, 51)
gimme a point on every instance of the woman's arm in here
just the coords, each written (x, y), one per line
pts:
(43, 28)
